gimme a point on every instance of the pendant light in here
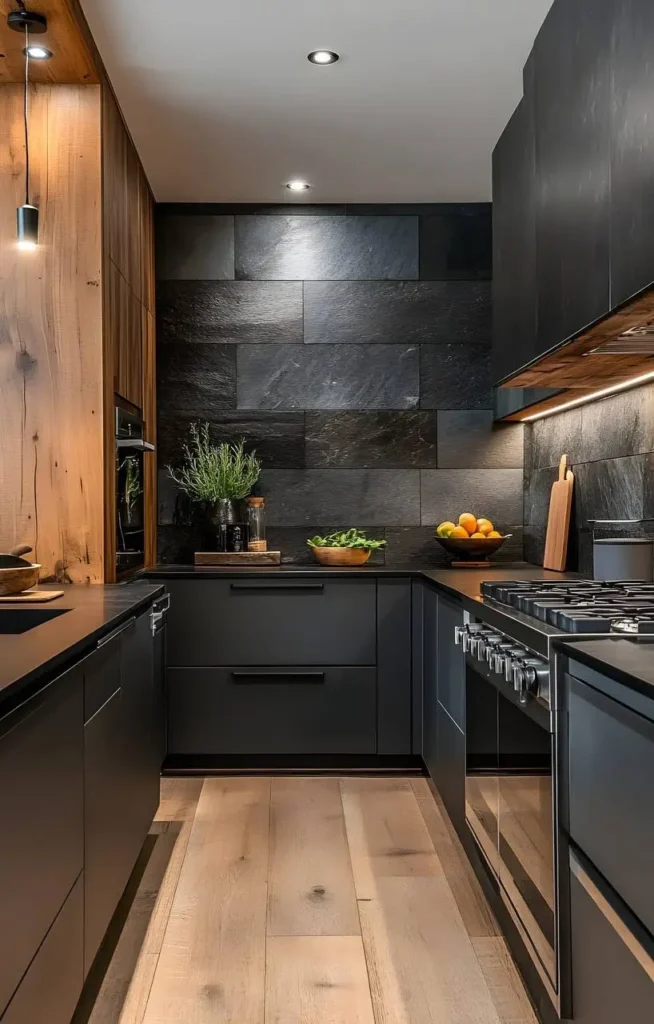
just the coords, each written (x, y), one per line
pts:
(27, 215)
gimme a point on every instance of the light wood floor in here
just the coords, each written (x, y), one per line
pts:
(306, 901)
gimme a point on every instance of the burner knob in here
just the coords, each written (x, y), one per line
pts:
(510, 659)
(537, 676)
(488, 645)
(520, 668)
(498, 658)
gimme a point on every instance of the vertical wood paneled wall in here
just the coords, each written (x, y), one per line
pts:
(128, 287)
(51, 429)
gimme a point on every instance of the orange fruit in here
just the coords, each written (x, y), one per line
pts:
(468, 522)
(477, 536)
(495, 534)
(459, 532)
(485, 526)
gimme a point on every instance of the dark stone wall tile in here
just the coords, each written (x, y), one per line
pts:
(191, 247)
(199, 380)
(296, 207)
(618, 426)
(470, 439)
(327, 377)
(277, 438)
(611, 489)
(360, 440)
(244, 312)
(554, 436)
(494, 493)
(456, 245)
(397, 311)
(455, 377)
(324, 248)
(344, 497)
(417, 209)
(292, 542)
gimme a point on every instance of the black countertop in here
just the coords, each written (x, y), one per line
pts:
(628, 661)
(90, 612)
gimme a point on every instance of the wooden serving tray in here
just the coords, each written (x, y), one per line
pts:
(30, 596)
(242, 558)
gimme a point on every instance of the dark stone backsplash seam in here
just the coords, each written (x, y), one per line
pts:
(366, 458)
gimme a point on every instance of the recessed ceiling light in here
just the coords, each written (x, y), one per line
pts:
(37, 52)
(323, 57)
(298, 186)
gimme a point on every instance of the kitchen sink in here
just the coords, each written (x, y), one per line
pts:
(20, 620)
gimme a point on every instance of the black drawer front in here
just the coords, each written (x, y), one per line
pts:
(264, 622)
(41, 815)
(101, 676)
(298, 710)
(50, 989)
(612, 972)
(611, 793)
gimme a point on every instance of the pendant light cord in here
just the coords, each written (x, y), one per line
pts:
(26, 117)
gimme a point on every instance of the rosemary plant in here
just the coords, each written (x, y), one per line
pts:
(211, 472)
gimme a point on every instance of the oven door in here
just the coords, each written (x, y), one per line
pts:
(510, 804)
(130, 534)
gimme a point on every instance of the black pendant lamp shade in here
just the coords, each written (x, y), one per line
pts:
(27, 215)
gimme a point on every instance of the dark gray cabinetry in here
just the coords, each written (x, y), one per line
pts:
(394, 666)
(122, 758)
(430, 681)
(296, 710)
(572, 97)
(612, 963)
(41, 809)
(632, 149)
(451, 767)
(263, 622)
(450, 662)
(52, 984)
(514, 243)
(611, 790)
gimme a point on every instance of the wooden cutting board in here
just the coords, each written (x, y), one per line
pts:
(32, 596)
(558, 522)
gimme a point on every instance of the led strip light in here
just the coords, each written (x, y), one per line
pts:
(624, 386)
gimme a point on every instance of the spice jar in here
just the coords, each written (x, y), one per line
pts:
(257, 525)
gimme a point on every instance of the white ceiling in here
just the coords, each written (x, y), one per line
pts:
(224, 106)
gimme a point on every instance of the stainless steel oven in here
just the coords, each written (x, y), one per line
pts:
(511, 787)
(130, 521)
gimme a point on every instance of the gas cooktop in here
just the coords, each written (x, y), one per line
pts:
(625, 607)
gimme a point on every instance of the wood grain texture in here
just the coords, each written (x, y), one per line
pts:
(423, 969)
(74, 59)
(504, 983)
(211, 967)
(310, 885)
(237, 557)
(386, 833)
(558, 520)
(317, 980)
(50, 334)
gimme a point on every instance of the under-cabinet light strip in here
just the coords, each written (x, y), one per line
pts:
(590, 398)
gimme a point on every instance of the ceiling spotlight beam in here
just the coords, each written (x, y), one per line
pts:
(323, 57)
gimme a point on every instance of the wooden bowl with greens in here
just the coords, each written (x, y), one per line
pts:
(350, 547)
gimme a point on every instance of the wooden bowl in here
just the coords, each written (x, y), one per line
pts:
(341, 556)
(468, 549)
(16, 580)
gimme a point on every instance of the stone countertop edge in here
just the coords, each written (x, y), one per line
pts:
(30, 660)
(626, 662)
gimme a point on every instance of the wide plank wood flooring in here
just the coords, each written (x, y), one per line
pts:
(304, 901)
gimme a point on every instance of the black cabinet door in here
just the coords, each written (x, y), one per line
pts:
(53, 983)
(450, 661)
(514, 243)
(257, 621)
(572, 105)
(451, 767)
(41, 815)
(611, 959)
(394, 666)
(632, 149)
(293, 710)
(430, 681)
(159, 673)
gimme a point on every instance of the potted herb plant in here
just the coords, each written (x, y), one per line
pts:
(217, 476)
(350, 547)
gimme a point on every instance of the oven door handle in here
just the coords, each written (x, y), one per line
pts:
(136, 443)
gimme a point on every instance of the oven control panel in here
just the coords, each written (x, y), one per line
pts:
(528, 673)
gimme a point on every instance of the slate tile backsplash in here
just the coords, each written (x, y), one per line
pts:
(610, 445)
(349, 346)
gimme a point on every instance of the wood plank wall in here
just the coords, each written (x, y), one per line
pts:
(51, 433)
(128, 288)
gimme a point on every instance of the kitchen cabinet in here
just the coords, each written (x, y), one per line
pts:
(572, 78)
(451, 766)
(394, 694)
(632, 149)
(430, 681)
(450, 661)
(514, 243)
(612, 956)
(41, 809)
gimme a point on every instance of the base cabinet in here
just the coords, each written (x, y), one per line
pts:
(451, 767)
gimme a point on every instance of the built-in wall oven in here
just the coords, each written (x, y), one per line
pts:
(510, 787)
(131, 448)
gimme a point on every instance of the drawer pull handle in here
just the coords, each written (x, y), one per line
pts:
(277, 586)
(277, 677)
